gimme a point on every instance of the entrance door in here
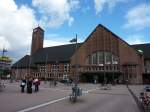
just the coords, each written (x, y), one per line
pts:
(101, 77)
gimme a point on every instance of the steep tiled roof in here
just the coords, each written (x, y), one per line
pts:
(24, 63)
(61, 53)
(54, 54)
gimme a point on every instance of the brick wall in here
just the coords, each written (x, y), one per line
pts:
(101, 39)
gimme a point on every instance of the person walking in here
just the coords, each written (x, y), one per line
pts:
(36, 83)
(22, 85)
(29, 86)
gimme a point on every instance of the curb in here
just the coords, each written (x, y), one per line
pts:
(138, 102)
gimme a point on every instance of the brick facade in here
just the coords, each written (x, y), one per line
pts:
(103, 40)
(103, 56)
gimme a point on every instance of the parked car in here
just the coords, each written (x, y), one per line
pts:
(147, 88)
(67, 81)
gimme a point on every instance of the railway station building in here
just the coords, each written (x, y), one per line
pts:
(102, 57)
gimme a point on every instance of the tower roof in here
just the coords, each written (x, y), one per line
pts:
(38, 28)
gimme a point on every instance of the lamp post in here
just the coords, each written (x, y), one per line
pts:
(56, 70)
(74, 40)
(76, 65)
(46, 67)
(75, 88)
(29, 66)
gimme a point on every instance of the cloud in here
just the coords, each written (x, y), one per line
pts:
(138, 17)
(100, 4)
(16, 27)
(4, 43)
(55, 39)
(136, 39)
(48, 43)
(56, 12)
(17, 23)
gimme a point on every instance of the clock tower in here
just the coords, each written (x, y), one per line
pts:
(37, 39)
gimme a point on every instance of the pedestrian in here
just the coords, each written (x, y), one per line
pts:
(127, 82)
(36, 83)
(29, 86)
(39, 82)
(22, 85)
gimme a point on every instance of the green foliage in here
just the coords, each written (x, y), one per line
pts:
(4, 58)
(4, 72)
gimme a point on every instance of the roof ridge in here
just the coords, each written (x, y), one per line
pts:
(61, 45)
(140, 44)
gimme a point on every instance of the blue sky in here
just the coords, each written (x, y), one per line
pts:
(62, 19)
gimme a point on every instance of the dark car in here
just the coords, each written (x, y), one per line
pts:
(63, 81)
(147, 88)
(66, 81)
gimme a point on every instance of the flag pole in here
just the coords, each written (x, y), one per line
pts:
(75, 87)
(46, 67)
(76, 80)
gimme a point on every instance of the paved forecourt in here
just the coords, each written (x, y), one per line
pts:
(55, 99)
(116, 100)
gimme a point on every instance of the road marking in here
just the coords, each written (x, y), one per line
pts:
(51, 102)
(88, 91)
(44, 104)
(91, 90)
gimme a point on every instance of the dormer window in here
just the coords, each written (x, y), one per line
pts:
(139, 50)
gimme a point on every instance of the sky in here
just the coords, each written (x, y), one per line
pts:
(63, 19)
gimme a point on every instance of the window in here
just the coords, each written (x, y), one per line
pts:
(94, 58)
(55, 68)
(66, 67)
(65, 76)
(100, 56)
(115, 59)
(87, 60)
(107, 58)
(42, 68)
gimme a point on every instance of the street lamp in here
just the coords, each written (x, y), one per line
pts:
(74, 40)
(46, 75)
(75, 89)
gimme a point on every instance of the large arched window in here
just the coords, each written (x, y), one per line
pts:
(102, 58)
(108, 57)
(94, 58)
(115, 59)
(88, 60)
